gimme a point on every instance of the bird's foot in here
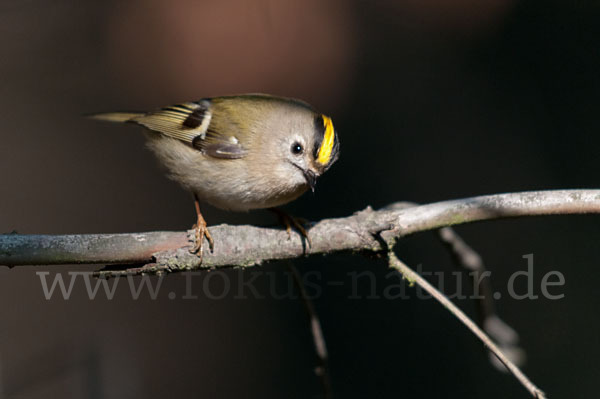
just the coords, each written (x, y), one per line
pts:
(200, 232)
(288, 221)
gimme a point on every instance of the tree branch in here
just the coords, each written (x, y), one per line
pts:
(367, 230)
(249, 245)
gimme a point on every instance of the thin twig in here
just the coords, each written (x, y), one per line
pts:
(322, 371)
(466, 258)
(413, 277)
(242, 246)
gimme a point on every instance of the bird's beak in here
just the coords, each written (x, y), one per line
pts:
(311, 179)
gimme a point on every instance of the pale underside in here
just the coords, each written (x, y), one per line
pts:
(225, 183)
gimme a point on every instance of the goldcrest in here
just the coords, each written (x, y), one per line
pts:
(239, 153)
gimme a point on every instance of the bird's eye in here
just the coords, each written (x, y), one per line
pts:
(297, 148)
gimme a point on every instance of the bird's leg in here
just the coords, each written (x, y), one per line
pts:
(288, 221)
(200, 231)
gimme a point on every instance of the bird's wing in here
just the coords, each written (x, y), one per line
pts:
(185, 121)
(190, 122)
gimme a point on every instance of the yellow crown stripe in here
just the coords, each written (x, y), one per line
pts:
(327, 144)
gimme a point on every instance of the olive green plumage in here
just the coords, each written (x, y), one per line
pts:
(240, 152)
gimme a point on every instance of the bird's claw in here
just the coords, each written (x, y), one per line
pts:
(200, 232)
(297, 223)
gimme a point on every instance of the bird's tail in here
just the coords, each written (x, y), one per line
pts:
(116, 116)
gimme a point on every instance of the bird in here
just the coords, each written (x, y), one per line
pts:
(239, 152)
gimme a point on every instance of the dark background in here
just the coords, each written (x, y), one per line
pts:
(433, 100)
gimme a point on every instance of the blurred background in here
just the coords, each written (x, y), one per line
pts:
(432, 99)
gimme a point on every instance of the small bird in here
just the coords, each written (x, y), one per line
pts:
(242, 152)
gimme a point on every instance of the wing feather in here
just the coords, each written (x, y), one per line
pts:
(186, 122)
(193, 124)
